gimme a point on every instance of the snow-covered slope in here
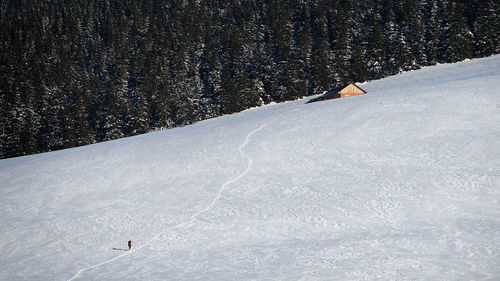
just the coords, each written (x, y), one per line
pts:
(400, 184)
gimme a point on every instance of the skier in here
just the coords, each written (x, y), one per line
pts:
(129, 244)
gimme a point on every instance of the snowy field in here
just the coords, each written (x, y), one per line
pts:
(400, 184)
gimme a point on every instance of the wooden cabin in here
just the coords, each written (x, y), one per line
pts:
(343, 91)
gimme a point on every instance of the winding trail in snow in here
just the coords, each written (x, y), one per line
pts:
(193, 217)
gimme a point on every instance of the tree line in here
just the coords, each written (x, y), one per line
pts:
(80, 72)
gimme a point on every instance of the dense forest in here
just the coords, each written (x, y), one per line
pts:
(80, 72)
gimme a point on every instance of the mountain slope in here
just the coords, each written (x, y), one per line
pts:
(401, 183)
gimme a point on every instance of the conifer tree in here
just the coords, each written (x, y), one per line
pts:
(487, 28)
(320, 78)
(432, 31)
(399, 57)
(413, 28)
(457, 41)
(376, 56)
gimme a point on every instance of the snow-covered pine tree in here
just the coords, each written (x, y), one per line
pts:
(457, 39)
(487, 28)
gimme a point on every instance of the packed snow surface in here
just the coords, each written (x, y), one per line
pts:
(402, 183)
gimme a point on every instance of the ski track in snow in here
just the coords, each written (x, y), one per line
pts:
(192, 218)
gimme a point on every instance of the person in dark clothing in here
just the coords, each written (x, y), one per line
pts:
(129, 244)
